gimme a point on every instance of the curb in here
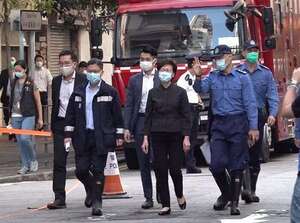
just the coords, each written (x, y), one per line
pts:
(44, 176)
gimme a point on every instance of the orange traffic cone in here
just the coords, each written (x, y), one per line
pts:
(112, 184)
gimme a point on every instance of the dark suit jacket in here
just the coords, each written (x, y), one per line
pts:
(56, 83)
(133, 100)
(3, 85)
(107, 117)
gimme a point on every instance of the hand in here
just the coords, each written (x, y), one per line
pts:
(119, 142)
(296, 75)
(67, 140)
(297, 143)
(39, 124)
(127, 135)
(253, 135)
(186, 144)
(271, 120)
(145, 145)
(197, 66)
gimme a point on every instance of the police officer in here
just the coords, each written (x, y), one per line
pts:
(186, 81)
(94, 125)
(266, 92)
(234, 120)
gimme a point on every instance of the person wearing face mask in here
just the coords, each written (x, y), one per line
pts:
(168, 124)
(62, 88)
(82, 66)
(266, 97)
(94, 125)
(5, 87)
(234, 122)
(25, 107)
(43, 80)
(186, 81)
(134, 116)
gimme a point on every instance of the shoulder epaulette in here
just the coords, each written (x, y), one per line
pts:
(263, 66)
(241, 71)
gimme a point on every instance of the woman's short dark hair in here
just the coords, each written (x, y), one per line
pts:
(38, 56)
(95, 61)
(68, 53)
(150, 50)
(168, 62)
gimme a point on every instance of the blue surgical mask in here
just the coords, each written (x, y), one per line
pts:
(93, 78)
(19, 74)
(165, 76)
(221, 64)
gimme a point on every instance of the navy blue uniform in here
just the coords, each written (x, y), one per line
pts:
(267, 104)
(234, 113)
(92, 142)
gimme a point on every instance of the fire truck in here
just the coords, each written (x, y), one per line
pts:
(181, 27)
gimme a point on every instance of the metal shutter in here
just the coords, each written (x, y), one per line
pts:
(60, 39)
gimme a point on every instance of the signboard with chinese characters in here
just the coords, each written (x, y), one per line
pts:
(30, 20)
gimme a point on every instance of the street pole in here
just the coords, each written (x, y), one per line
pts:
(21, 43)
(32, 49)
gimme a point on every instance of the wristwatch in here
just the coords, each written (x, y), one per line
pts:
(293, 84)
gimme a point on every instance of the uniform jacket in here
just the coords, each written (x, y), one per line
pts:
(56, 82)
(107, 115)
(133, 100)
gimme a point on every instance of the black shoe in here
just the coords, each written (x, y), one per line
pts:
(221, 203)
(97, 208)
(57, 204)
(246, 196)
(165, 211)
(255, 198)
(193, 170)
(183, 205)
(147, 204)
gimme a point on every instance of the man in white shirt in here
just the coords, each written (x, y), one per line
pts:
(134, 116)
(186, 81)
(42, 79)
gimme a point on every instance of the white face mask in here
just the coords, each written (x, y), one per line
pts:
(39, 64)
(146, 65)
(67, 70)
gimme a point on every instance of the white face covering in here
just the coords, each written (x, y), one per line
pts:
(146, 65)
(67, 70)
(39, 64)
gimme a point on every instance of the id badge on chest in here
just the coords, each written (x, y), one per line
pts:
(18, 105)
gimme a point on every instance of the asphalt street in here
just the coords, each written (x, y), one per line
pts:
(25, 202)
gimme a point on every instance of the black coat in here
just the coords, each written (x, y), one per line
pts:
(133, 100)
(56, 83)
(3, 85)
(107, 116)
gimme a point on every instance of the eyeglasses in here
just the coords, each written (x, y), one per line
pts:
(188, 79)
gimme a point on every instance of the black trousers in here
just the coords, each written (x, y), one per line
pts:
(190, 161)
(5, 112)
(60, 162)
(90, 167)
(44, 102)
(167, 150)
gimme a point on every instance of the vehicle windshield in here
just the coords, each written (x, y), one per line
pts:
(174, 33)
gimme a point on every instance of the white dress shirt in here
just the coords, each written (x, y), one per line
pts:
(42, 78)
(183, 83)
(148, 83)
(66, 89)
(90, 94)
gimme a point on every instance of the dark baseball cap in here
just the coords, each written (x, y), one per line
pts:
(220, 50)
(250, 45)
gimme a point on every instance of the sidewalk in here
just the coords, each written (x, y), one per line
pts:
(10, 161)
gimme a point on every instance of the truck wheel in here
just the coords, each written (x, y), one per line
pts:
(130, 156)
(266, 144)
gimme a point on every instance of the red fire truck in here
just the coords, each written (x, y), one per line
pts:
(180, 27)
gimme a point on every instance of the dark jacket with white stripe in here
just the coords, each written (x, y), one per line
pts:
(107, 116)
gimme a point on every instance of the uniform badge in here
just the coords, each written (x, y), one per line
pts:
(78, 99)
(104, 98)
